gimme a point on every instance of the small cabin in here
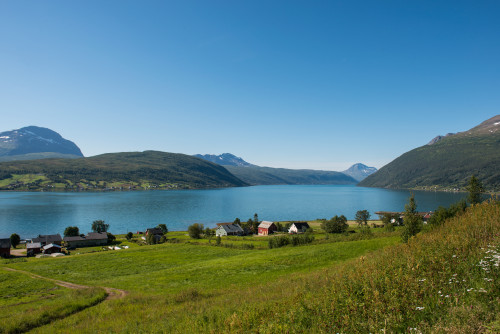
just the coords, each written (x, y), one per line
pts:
(5, 247)
(266, 228)
(228, 229)
(154, 231)
(51, 249)
(299, 227)
(90, 240)
(33, 248)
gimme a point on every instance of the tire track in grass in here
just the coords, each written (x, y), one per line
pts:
(113, 293)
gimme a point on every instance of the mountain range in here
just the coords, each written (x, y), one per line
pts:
(447, 162)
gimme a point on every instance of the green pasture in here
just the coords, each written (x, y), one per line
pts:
(27, 302)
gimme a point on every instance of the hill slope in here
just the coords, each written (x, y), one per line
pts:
(149, 169)
(34, 142)
(447, 163)
(267, 175)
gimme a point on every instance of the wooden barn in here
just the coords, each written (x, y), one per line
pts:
(48, 239)
(51, 248)
(92, 239)
(33, 248)
(266, 228)
(5, 247)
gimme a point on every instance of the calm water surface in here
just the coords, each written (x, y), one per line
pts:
(29, 214)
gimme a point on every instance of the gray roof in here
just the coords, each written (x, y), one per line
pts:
(265, 224)
(50, 246)
(155, 230)
(232, 228)
(77, 238)
(49, 238)
(33, 245)
(5, 243)
(96, 236)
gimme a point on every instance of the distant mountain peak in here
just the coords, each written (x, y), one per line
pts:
(35, 140)
(225, 159)
(359, 171)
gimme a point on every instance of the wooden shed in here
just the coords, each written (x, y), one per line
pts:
(266, 228)
(225, 229)
(5, 247)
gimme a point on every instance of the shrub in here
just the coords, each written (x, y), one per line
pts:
(15, 239)
(195, 231)
(335, 225)
(129, 235)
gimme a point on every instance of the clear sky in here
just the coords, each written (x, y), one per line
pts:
(296, 84)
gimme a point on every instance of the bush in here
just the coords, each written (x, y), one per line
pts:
(335, 225)
(111, 238)
(129, 236)
(15, 239)
(294, 240)
(71, 231)
(195, 231)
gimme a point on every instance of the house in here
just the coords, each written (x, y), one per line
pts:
(51, 248)
(225, 229)
(5, 247)
(33, 248)
(154, 231)
(266, 228)
(90, 240)
(48, 239)
(299, 227)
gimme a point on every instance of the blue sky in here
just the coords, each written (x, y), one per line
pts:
(297, 84)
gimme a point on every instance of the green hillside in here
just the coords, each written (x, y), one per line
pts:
(267, 175)
(447, 164)
(130, 170)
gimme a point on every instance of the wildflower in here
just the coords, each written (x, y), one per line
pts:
(422, 280)
(419, 308)
(482, 290)
(469, 290)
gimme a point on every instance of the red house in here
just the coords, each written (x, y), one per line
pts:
(266, 228)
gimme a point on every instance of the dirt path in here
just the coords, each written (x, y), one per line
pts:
(112, 292)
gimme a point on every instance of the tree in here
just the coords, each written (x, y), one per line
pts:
(335, 225)
(129, 236)
(256, 218)
(99, 226)
(195, 230)
(151, 239)
(237, 221)
(475, 188)
(412, 220)
(209, 233)
(15, 239)
(362, 217)
(163, 228)
(71, 231)
(111, 237)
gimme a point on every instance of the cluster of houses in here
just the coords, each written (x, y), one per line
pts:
(52, 243)
(264, 228)
(401, 215)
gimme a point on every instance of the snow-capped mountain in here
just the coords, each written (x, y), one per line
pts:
(225, 159)
(359, 171)
(35, 142)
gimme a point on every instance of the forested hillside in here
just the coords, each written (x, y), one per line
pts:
(134, 170)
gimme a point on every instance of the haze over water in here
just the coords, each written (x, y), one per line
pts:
(29, 214)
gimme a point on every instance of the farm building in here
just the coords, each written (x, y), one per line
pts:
(33, 248)
(91, 239)
(266, 228)
(5, 247)
(225, 229)
(154, 231)
(51, 248)
(298, 228)
(48, 239)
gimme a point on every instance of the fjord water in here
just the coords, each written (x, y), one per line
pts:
(31, 213)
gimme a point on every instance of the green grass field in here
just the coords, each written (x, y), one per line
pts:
(444, 280)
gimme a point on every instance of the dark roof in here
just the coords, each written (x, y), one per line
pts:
(5, 243)
(96, 236)
(301, 225)
(232, 228)
(49, 238)
(33, 245)
(155, 230)
(77, 238)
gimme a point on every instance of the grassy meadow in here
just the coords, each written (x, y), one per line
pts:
(445, 279)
